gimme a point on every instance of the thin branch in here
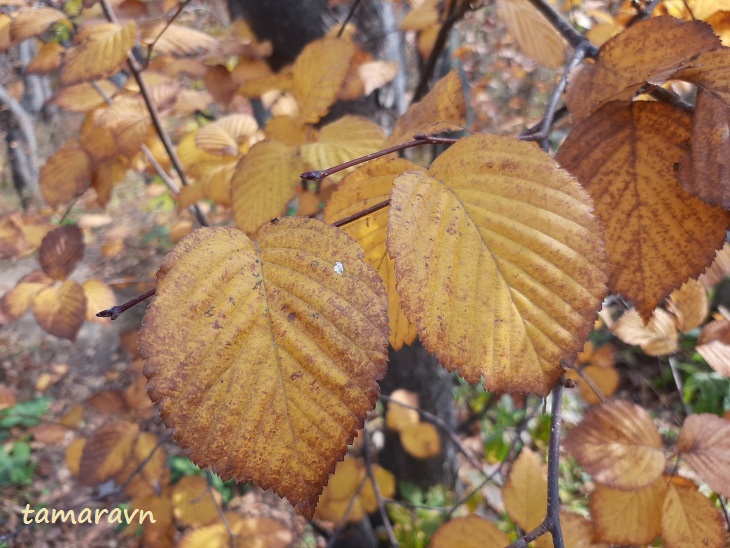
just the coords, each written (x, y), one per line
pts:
(360, 214)
(221, 514)
(418, 140)
(343, 520)
(551, 523)
(350, 14)
(680, 385)
(115, 311)
(582, 374)
(438, 47)
(376, 488)
(150, 48)
(154, 115)
(723, 505)
(572, 36)
(644, 13)
(543, 134)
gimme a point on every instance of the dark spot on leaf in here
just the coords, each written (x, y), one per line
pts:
(295, 376)
(291, 317)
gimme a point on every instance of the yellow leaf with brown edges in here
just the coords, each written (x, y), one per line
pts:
(28, 22)
(689, 518)
(319, 73)
(704, 443)
(421, 440)
(128, 121)
(65, 175)
(264, 182)
(627, 517)
(468, 532)
(283, 351)
(657, 235)
(656, 338)
(224, 136)
(193, 502)
(348, 138)
(19, 299)
(60, 251)
(525, 492)
(60, 310)
(689, 305)
(107, 451)
(101, 53)
(442, 109)
(618, 444)
(499, 262)
(650, 50)
(369, 185)
(534, 34)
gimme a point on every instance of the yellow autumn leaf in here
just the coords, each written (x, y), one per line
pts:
(60, 251)
(99, 296)
(60, 310)
(289, 131)
(421, 440)
(348, 138)
(525, 492)
(282, 352)
(128, 121)
(258, 532)
(704, 443)
(65, 175)
(47, 59)
(224, 136)
(19, 299)
(689, 305)
(29, 21)
(627, 517)
(83, 97)
(618, 444)
(577, 531)
(106, 451)
(690, 518)
(151, 478)
(73, 455)
(422, 16)
(318, 73)
(537, 38)
(397, 416)
(499, 262)
(194, 504)
(468, 532)
(657, 235)
(158, 505)
(101, 53)
(442, 109)
(369, 185)
(657, 338)
(650, 50)
(178, 40)
(264, 181)
(386, 486)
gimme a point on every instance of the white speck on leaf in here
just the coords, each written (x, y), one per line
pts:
(339, 269)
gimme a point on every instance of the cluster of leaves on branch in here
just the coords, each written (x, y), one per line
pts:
(265, 342)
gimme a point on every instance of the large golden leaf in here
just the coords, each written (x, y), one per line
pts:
(60, 310)
(265, 355)
(619, 445)
(627, 517)
(649, 50)
(370, 185)
(499, 262)
(101, 53)
(689, 518)
(537, 38)
(265, 180)
(442, 109)
(704, 443)
(346, 139)
(657, 235)
(319, 73)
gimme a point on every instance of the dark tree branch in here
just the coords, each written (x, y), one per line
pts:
(551, 523)
(360, 214)
(455, 16)
(418, 140)
(350, 15)
(376, 488)
(572, 36)
(115, 311)
(150, 48)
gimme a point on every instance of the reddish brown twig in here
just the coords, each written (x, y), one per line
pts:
(115, 311)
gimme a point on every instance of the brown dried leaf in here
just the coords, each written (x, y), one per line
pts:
(47, 59)
(60, 251)
(18, 300)
(29, 21)
(107, 451)
(60, 310)
(657, 235)
(648, 51)
(468, 532)
(577, 531)
(537, 38)
(689, 305)
(65, 175)
(74, 452)
(657, 338)
(83, 97)
(179, 40)
(704, 443)
(102, 52)
(713, 345)
(718, 270)
(224, 136)
(7, 397)
(618, 444)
